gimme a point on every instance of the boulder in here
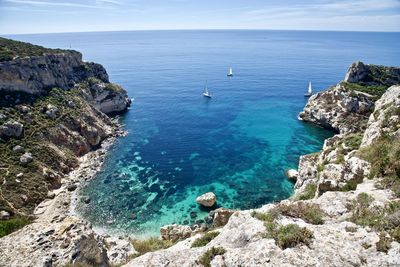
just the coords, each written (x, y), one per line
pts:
(51, 111)
(175, 232)
(292, 174)
(11, 129)
(4, 215)
(207, 199)
(25, 159)
(18, 149)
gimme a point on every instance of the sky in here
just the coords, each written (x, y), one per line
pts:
(47, 16)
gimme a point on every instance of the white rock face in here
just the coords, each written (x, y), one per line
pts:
(292, 174)
(207, 199)
(389, 100)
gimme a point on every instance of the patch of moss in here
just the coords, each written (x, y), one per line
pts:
(12, 225)
(150, 244)
(210, 254)
(205, 239)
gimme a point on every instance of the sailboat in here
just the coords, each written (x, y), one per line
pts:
(206, 93)
(309, 93)
(230, 73)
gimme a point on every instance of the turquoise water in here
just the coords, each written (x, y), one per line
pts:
(237, 144)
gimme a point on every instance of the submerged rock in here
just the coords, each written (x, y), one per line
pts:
(207, 199)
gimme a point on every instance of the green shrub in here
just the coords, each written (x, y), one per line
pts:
(266, 217)
(384, 156)
(10, 49)
(210, 254)
(150, 244)
(376, 90)
(309, 192)
(290, 235)
(12, 225)
(309, 212)
(205, 239)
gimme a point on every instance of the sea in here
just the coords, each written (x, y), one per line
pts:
(238, 144)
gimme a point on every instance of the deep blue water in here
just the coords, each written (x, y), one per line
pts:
(238, 144)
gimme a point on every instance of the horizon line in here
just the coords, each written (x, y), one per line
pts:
(200, 29)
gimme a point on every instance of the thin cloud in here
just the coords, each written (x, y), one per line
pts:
(59, 4)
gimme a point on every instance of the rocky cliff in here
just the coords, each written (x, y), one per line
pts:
(347, 106)
(53, 110)
(345, 210)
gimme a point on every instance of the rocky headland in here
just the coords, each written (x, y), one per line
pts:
(55, 132)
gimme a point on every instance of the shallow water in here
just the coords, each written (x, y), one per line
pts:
(237, 144)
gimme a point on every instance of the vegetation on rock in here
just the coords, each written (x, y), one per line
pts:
(205, 239)
(309, 192)
(384, 156)
(288, 236)
(210, 254)
(150, 244)
(9, 49)
(11, 225)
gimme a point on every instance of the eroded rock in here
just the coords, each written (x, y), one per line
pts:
(207, 199)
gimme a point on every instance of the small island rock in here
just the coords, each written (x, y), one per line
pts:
(207, 199)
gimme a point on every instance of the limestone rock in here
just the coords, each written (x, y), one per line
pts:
(175, 232)
(221, 216)
(51, 111)
(389, 101)
(25, 159)
(35, 75)
(11, 129)
(18, 149)
(292, 174)
(207, 199)
(4, 215)
(360, 72)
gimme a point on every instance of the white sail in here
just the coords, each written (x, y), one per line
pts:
(309, 88)
(230, 71)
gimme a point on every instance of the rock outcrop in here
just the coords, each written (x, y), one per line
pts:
(386, 118)
(38, 74)
(372, 74)
(207, 199)
(346, 107)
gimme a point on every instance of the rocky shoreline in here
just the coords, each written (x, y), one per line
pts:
(345, 210)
